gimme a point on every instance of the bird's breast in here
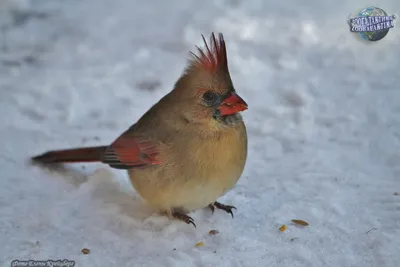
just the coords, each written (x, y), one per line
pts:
(195, 172)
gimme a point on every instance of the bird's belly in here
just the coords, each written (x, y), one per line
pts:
(185, 193)
(196, 195)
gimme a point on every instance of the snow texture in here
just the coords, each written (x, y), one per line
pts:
(323, 123)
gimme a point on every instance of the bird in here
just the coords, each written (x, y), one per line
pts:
(189, 148)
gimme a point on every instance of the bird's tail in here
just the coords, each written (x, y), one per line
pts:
(86, 154)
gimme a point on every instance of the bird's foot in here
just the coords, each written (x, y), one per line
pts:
(183, 217)
(221, 206)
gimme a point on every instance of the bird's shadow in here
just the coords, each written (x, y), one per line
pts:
(70, 175)
(103, 186)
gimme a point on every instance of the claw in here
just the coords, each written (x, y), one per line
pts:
(230, 211)
(183, 217)
(226, 208)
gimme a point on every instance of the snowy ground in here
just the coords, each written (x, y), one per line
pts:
(323, 121)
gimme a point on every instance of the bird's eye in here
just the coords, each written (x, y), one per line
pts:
(210, 98)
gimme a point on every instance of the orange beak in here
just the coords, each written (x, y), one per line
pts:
(232, 105)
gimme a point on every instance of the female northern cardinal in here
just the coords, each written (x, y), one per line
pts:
(189, 148)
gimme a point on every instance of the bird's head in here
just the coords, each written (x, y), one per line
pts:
(205, 91)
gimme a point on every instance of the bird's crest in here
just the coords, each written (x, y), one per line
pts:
(213, 58)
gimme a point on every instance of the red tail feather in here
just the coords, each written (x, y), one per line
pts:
(87, 154)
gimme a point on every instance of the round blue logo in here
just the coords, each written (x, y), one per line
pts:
(371, 23)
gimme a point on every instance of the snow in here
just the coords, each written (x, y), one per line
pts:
(323, 123)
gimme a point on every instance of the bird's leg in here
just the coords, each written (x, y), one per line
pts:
(212, 207)
(220, 206)
(183, 217)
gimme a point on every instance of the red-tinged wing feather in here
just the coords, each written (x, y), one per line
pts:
(129, 152)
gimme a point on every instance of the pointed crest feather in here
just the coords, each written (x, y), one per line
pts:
(213, 58)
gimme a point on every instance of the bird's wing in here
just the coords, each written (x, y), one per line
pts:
(130, 151)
